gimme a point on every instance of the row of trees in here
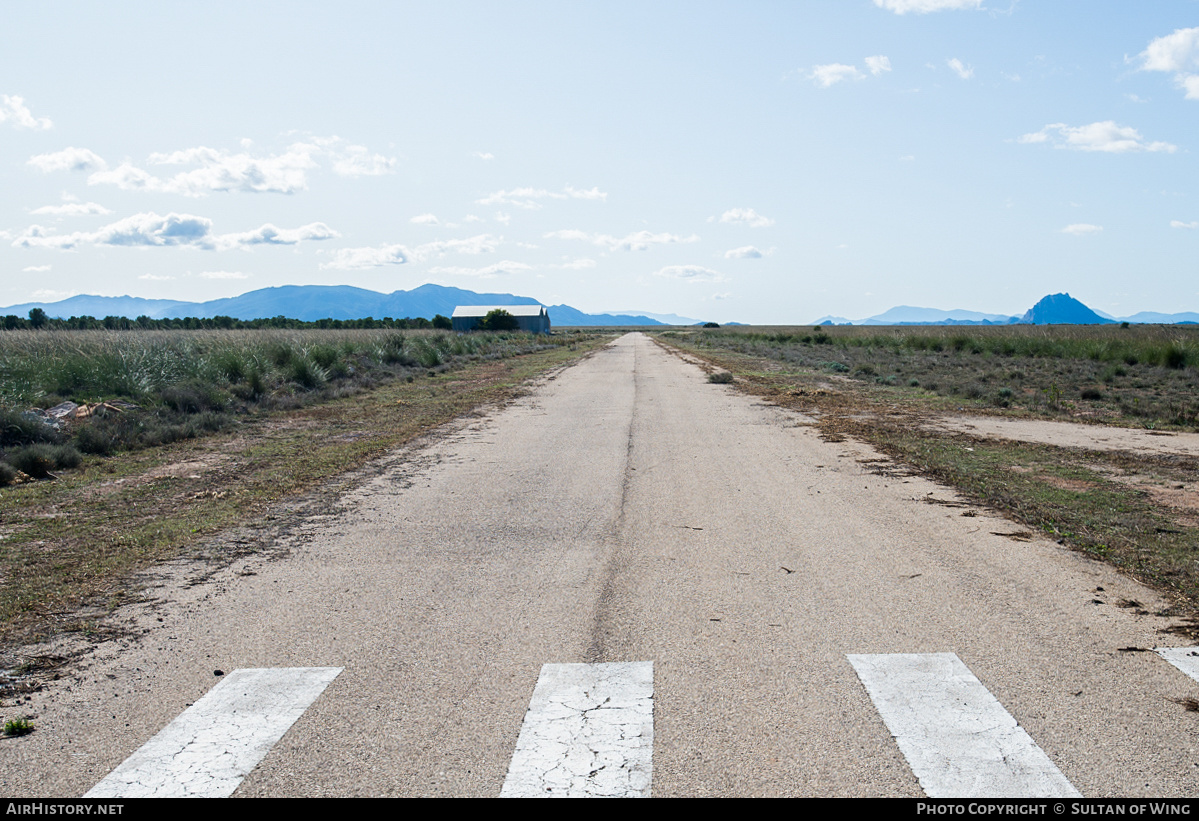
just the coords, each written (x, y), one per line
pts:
(38, 320)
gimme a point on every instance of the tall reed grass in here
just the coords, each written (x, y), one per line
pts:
(187, 383)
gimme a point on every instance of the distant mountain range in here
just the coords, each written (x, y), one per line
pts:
(1055, 309)
(313, 302)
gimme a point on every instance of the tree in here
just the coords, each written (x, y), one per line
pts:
(498, 320)
(37, 317)
(443, 323)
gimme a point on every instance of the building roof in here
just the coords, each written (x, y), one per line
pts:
(484, 310)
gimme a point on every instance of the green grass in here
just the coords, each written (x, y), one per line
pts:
(189, 384)
(1146, 376)
(17, 727)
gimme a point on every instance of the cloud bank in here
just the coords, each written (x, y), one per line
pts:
(637, 241)
(529, 198)
(1106, 136)
(69, 159)
(926, 6)
(152, 230)
(14, 111)
(1082, 229)
(1178, 54)
(746, 216)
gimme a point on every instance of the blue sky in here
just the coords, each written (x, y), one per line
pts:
(764, 162)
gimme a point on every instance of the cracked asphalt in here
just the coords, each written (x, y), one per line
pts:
(626, 510)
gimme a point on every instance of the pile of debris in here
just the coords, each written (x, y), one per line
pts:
(69, 411)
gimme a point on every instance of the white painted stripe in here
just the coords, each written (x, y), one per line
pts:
(215, 743)
(957, 738)
(589, 732)
(1185, 659)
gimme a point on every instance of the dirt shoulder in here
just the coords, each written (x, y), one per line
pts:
(1127, 497)
(73, 551)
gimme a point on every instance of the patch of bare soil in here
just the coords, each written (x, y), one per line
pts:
(1070, 434)
(1180, 498)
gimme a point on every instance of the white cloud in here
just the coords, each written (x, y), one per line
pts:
(1105, 136)
(221, 171)
(352, 259)
(1082, 229)
(141, 229)
(480, 244)
(745, 252)
(357, 161)
(13, 109)
(150, 230)
(748, 216)
(1190, 84)
(218, 170)
(637, 241)
(1180, 224)
(155, 278)
(36, 269)
(69, 159)
(925, 6)
(960, 68)
(1177, 53)
(47, 295)
(577, 265)
(223, 275)
(690, 273)
(878, 64)
(72, 209)
(833, 73)
(592, 193)
(527, 198)
(425, 219)
(488, 272)
(270, 235)
(484, 155)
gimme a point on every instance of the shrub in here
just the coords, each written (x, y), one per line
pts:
(720, 378)
(306, 373)
(20, 428)
(499, 320)
(193, 396)
(39, 461)
(95, 438)
(324, 355)
(8, 474)
(231, 366)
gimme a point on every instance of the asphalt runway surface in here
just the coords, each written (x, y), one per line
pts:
(728, 605)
